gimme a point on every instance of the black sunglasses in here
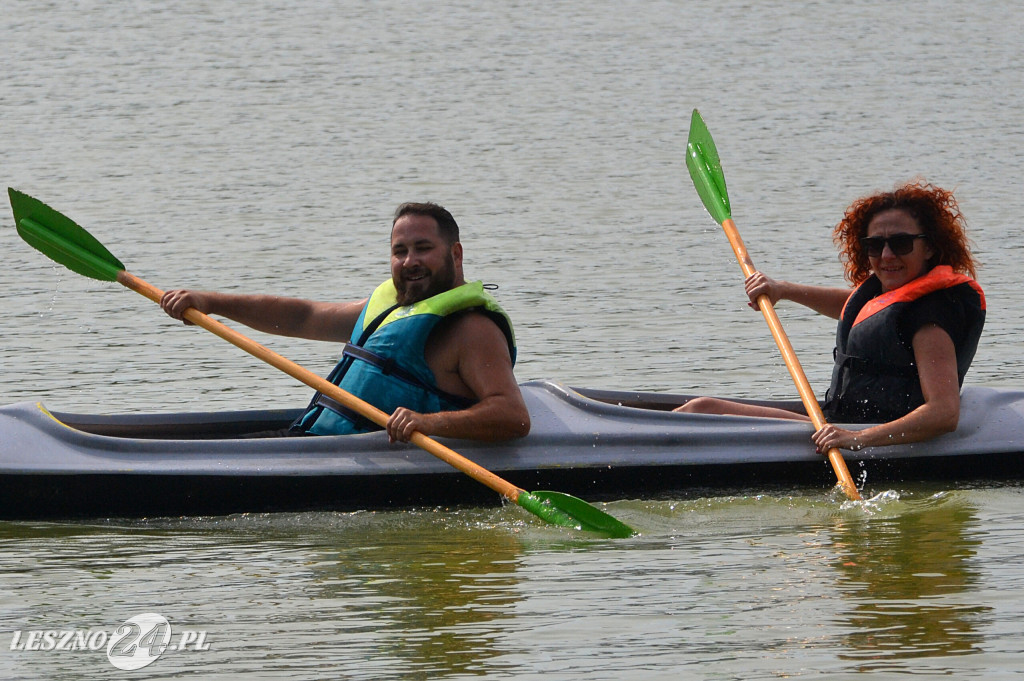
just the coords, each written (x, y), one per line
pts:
(899, 244)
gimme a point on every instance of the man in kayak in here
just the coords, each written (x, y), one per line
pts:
(434, 352)
(907, 333)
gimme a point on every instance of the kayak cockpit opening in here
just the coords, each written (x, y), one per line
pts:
(179, 426)
(669, 401)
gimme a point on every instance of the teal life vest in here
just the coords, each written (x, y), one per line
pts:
(384, 362)
(875, 377)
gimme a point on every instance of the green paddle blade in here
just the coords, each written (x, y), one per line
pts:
(569, 511)
(60, 239)
(706, 170)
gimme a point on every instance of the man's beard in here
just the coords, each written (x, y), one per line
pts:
(439, 281)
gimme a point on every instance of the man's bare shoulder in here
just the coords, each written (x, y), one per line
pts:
(474, 323)
(469, 332)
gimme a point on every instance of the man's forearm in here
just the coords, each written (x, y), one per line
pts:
(491, 419)
(270, 314)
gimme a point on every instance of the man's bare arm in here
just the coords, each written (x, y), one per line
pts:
(485, 367)
(295, 317)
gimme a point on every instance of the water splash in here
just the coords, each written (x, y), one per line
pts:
(873, 505)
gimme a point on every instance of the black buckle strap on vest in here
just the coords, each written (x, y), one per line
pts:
(836, 404)
(357, 419)
(389, 367)
(864, 366)
(323, 402)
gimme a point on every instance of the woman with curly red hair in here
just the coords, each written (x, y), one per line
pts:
(907, 332)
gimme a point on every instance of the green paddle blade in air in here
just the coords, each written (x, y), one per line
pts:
(569, 511)
(706, 170)
(59, 238)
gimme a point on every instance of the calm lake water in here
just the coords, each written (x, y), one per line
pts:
(263, 146)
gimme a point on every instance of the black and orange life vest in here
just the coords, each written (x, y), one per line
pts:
(875, 378)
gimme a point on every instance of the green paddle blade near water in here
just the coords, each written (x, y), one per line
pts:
(569, 511)
(706, 169)
(61, 239)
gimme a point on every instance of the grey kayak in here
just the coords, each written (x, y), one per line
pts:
(596, 444)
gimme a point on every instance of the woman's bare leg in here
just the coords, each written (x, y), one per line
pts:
(714, 405)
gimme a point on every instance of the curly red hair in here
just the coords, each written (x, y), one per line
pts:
(934, 209)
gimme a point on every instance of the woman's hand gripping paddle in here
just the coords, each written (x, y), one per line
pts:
(706, 172)
(62, 240)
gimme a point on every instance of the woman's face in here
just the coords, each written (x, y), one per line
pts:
(894, 268)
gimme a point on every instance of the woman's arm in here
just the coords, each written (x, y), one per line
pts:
(824, 300)
(935, 357)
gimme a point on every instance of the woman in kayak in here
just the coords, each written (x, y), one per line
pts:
(908, 330)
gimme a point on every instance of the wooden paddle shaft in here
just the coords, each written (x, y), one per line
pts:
(478, 473)
(803, 386)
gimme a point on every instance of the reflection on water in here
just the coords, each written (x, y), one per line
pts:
(431, 598)
(378, 594)
(737, 587)
(908, 576)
